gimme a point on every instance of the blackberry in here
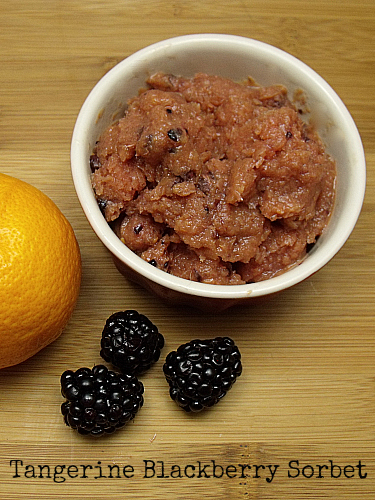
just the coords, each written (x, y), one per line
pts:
(131, 342)
(201, 372)
(99, 401)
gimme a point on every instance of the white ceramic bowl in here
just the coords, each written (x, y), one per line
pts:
(236, 58)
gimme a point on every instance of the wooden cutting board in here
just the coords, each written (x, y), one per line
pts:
(300, 422)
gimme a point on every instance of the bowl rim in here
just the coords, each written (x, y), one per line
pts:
(79, 169)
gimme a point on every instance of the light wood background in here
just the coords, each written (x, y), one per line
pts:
(307, 392)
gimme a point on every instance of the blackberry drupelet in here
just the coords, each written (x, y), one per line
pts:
(131, 342)
(99, 401)
(201, 372)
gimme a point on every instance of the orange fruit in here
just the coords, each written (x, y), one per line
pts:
(40, 271)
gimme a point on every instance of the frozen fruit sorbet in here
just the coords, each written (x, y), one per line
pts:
(214, 181)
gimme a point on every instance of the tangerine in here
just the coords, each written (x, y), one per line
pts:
(40, 271)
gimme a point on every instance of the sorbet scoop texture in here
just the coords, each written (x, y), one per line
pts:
(214, 181)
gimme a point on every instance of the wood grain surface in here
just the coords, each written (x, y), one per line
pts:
(300, 422)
